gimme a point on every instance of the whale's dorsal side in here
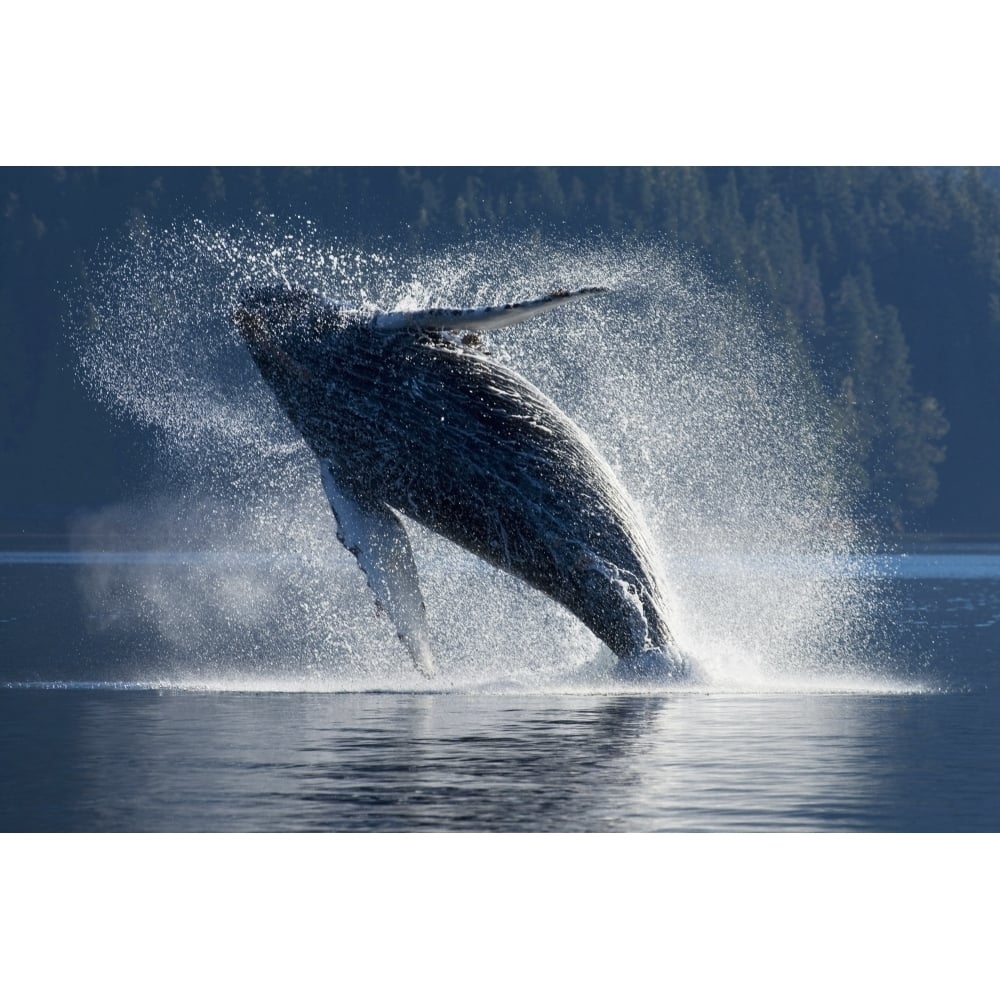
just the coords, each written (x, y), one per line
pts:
(466, 447)
(479, 318)
(375, 536)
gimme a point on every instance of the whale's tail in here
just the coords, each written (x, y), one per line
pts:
(479, 318)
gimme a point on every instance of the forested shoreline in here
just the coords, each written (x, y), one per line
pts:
(889, 278)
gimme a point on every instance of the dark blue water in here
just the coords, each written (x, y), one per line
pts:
(97, 734)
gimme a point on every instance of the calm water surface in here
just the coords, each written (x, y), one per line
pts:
(82, 748)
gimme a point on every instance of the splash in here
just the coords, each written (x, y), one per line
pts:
(714, 426)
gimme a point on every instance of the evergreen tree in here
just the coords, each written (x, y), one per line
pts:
(888, 279)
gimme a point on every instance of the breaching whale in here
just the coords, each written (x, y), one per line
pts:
(408, 414)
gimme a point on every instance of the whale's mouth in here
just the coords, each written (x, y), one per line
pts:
(257, 315)
(262, 310)
(278, 306)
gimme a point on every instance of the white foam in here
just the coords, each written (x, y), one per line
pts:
(709, 420)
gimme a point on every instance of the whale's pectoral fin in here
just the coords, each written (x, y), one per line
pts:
(376, 537)
(484, 318)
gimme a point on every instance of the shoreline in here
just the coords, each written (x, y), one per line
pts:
(49, 538)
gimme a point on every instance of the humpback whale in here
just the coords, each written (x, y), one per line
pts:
(407, 413)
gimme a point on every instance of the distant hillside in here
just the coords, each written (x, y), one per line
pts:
(890, 278)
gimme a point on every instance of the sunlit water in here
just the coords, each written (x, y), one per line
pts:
(209, 657)
(90, 739)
